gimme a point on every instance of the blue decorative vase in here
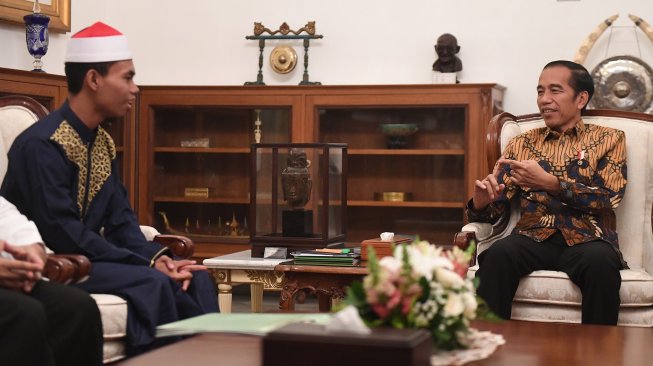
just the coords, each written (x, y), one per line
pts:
(36, 36)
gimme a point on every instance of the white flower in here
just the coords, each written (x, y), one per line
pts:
(449, 278)
(470, 305)
(392, 266)
(454, 305)
(424, 258)
(421, 321)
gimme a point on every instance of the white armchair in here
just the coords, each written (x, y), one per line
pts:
(550, 296)
(16, 114)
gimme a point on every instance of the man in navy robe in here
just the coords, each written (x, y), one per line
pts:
(63, 175)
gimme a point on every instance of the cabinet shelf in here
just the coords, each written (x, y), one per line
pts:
(204, 150)
(225, 200)
(406, 152)
(426, 204)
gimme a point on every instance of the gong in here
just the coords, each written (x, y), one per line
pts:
(283, 59)
(623, 83)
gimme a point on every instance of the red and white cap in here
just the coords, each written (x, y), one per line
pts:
(97, 43)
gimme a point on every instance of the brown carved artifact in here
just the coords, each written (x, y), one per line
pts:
(296, 180)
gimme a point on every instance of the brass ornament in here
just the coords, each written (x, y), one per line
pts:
(624, 83)
(283, 59)
(262, 33)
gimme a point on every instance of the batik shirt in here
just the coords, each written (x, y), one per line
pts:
(590, 163)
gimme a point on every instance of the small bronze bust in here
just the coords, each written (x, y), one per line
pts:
(296, 179)
(446, 48)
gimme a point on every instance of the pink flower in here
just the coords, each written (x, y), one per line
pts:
(381, 310)
(394, 300)
(372, 296)
(408, 302)
(461, 269)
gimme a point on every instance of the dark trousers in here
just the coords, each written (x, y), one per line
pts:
(593, 266)
(152, 299)
(52, 325)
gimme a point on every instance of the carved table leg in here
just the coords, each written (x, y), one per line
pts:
(324, 302)
(224, 298)
(222, 279)
(287, 299)
(256, 295)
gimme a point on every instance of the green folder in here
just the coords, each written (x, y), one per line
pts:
(315, 258)
(256, 324)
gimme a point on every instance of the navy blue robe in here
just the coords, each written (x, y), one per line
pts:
(64, 177)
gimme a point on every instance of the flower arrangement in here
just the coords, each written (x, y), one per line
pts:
(420, 286)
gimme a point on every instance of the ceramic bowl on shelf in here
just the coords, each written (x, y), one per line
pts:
(397, 133)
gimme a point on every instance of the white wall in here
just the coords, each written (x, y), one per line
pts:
(202, 42)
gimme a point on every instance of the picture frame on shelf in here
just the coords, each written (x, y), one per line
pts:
(13, 11)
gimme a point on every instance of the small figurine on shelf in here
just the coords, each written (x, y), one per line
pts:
(233, 226)
(257, 127)
(187, 225)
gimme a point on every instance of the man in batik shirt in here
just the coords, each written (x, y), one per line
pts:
(569, 177)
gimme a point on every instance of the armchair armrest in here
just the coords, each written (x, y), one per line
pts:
(73, 268)
(82, 266)
(463, 240)
(67, 268)
(180, 246)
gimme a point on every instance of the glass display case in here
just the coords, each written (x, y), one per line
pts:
(298, 196)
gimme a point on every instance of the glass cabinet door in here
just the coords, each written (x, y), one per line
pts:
(406, 169)
(201, 167)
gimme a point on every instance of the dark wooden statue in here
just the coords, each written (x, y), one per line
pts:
(446, 48)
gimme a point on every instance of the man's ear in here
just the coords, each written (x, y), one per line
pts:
(583, 99)
(92, 79)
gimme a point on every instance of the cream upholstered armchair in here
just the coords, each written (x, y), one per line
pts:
(550, 296)
(16, 114)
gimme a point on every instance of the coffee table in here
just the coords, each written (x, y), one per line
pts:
(527, 343)
(241, 268)
(328, 283)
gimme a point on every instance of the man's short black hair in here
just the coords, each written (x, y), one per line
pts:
(75, 73)
(580, 80)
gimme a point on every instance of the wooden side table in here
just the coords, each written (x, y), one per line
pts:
(329, 284)
(241, 268)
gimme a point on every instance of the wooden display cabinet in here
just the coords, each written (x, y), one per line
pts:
(437, 165)
(52, 91)
(435, 168)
